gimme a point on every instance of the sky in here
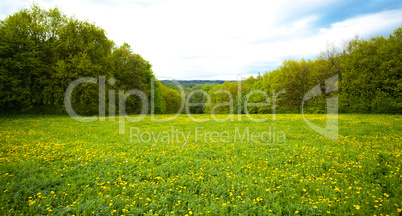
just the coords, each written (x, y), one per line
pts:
(220, 39)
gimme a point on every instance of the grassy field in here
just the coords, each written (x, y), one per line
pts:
(56, 165)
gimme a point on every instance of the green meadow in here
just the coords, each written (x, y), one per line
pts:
(56, 165)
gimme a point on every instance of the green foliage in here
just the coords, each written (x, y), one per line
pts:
(223, 98)
(369, 71)
(172, 98)
(371, 75)
(198, 97)
(27, 46)
(42, 52)
(258, 97)
(82, 50)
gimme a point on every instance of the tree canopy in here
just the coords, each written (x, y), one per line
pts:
(43, 51)
(369, 72)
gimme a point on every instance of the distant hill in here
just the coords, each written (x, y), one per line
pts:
(191, 83)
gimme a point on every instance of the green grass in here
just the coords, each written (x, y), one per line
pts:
(53, 164)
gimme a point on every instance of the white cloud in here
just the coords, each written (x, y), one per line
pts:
(219, 39)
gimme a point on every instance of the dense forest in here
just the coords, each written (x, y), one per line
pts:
(369, 81)
(43, 51)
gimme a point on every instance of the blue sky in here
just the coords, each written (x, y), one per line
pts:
(220, 39)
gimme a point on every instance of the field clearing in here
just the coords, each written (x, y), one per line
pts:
(56, 165)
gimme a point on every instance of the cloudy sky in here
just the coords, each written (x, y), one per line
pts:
(219, 39)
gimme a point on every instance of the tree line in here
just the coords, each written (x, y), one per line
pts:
(43, 51)
(369, 81)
